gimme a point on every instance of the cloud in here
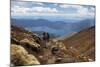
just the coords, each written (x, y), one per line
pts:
(26, 4)
(40, 3)
(31, 9)
(80, 9)
(17, 10)
(44, 9)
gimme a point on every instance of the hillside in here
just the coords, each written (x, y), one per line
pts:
(83, 42)
(27, 48)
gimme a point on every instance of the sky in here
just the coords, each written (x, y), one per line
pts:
(35, 10)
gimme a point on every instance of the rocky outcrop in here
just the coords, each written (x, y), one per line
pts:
(25, 38)
(19, 56)
(30, 45)
(24, 47)
(27, 48)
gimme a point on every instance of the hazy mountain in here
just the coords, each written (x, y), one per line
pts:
(54, 27)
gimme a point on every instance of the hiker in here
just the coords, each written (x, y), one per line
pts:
(45, 38)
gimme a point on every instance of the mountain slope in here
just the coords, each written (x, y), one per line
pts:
(79, 47)
(83, 43)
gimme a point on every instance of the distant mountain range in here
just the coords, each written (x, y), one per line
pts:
(54, 27)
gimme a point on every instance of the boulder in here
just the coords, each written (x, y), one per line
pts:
(19, 56)
(30, 45)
